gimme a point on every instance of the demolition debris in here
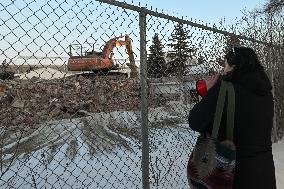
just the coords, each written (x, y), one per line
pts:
(34, 101)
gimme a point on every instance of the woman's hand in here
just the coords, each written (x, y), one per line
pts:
(211, 81)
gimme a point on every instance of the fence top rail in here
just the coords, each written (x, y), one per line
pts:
(181, 20)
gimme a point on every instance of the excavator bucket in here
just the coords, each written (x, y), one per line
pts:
(131, 65)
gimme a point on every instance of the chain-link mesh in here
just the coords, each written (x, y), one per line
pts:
(72, 100)
(62, 128)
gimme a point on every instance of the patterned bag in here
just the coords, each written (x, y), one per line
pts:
(211, 164)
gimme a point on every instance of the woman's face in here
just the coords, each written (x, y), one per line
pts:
(227, 68)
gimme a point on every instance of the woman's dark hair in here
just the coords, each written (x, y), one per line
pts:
(245, 61)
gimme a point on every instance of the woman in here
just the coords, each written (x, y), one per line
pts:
(253, 118)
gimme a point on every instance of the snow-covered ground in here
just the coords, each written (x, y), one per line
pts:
(103, 150)
(278, 153)
(100, 151)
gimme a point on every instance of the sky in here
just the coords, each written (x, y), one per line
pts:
(47, 28)
(208, 11)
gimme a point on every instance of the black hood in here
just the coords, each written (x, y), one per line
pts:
(257, 82)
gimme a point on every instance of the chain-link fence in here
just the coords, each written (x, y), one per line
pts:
(95, 94)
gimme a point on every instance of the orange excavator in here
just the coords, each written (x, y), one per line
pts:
(102, 62)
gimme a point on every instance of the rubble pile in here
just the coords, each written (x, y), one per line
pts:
(30, 102)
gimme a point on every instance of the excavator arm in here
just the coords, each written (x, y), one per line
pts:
(128, 46)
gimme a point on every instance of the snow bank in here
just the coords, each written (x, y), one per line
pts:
(76, 154)
(278, 155)
(44, 73)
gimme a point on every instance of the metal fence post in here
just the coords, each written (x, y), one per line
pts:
(271, 76)
(144, 103)
(275, 128)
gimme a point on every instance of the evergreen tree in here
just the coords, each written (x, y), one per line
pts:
(156, 63)
(181, 51)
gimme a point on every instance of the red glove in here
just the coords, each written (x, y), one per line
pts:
(202, 86)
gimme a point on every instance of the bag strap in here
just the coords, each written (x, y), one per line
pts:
(219, 110)
(225, 88)
(230, 111)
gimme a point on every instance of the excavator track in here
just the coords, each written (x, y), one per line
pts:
(102, 74)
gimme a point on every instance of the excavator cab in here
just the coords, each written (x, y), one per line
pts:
(95, 53)
(77, 50)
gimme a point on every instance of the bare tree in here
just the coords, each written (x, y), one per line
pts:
(274, 6)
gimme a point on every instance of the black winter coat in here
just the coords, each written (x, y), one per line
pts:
(252, 132)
